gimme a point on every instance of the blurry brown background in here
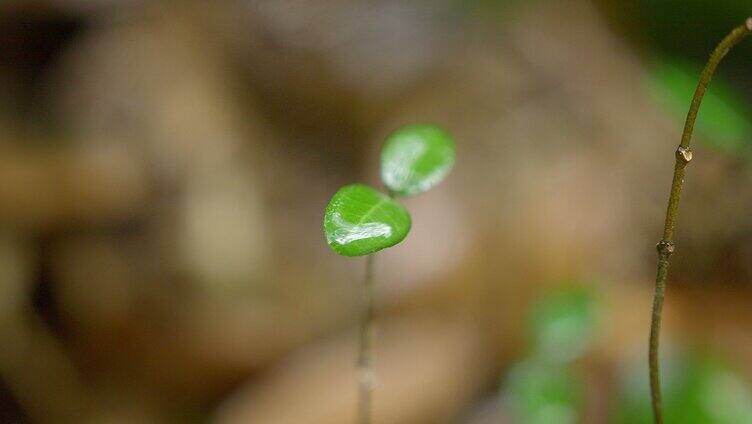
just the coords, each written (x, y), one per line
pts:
(164, 168)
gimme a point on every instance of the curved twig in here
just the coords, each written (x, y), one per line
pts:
(666, 245)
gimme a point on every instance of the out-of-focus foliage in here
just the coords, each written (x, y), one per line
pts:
(697, 389)
(544, 388)
(359, 220)
(541, 393)
(687, 28)
(563, 324)
(415, 158)
(725, 119)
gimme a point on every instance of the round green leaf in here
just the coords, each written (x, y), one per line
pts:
(724, 120)
(359, 220)
(543, 393)
(564, 324)
(415, 158)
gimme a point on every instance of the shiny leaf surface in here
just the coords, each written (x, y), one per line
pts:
(359, 220)
(415, 158)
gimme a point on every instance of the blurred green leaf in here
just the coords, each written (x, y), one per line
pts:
(415, 158)
(724, 121)
(696, 390)
(359, 220)
(542, 393)
(564, 324)
(687, 28)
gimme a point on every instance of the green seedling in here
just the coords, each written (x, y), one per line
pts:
(666, 245)
(360, 221)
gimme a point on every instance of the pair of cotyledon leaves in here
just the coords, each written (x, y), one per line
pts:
(360, 220)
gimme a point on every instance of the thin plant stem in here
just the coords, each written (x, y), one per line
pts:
(666, 245)
(365, 372)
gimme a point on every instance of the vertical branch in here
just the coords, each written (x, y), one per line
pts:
(365, 372)
(666, 245)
